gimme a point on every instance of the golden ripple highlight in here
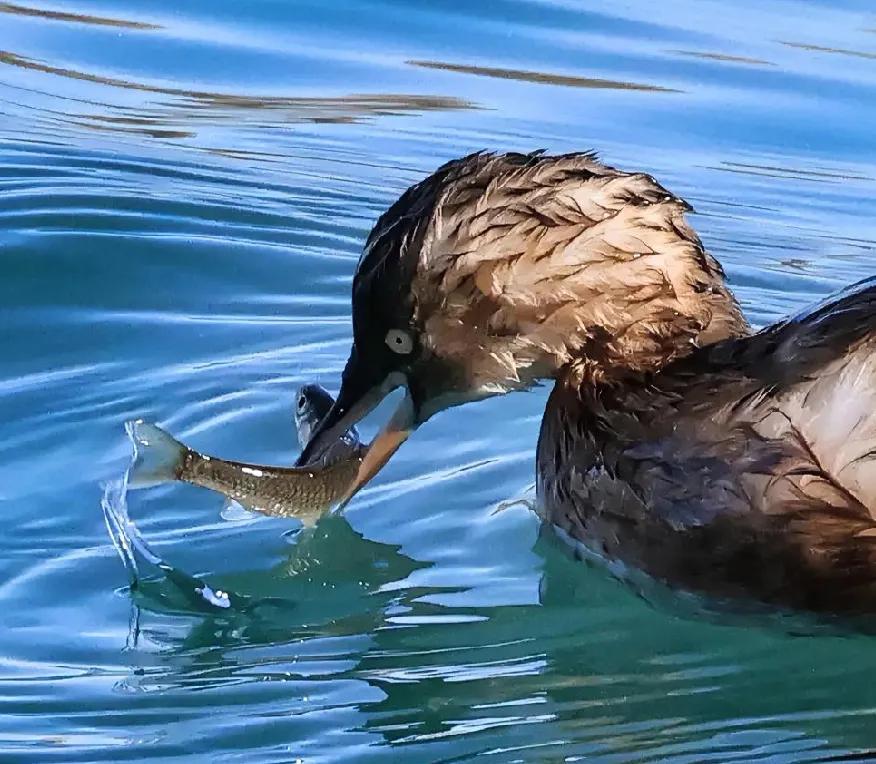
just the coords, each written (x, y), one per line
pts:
(76, 18)
(723, 57)
(777, 171)
(542, 78)
(175, 118)
(369, 103)
(825, 49)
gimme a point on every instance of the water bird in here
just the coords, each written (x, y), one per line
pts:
(675, 441)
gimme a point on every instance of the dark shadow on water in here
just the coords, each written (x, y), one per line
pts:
(696, 608)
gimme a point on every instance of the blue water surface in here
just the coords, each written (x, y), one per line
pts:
(184, 191)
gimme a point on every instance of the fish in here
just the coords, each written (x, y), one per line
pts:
(304, 492)
(311, 406)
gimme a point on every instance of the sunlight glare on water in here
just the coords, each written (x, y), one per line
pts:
(184, 193)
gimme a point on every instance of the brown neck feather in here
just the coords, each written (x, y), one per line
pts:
(531, 267)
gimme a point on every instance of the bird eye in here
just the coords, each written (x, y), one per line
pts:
(302, 402)
(399, 341)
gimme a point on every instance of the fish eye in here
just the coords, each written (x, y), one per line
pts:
(399, 341)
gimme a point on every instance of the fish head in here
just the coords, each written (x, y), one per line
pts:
(312, 403)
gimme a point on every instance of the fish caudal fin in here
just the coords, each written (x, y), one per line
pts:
(158, 456)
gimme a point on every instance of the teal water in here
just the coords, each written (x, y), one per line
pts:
(184, 191)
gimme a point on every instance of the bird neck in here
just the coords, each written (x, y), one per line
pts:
(622, 348)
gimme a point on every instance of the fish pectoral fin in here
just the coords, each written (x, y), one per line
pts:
(510, 503)
(309, 519)
(234, 511)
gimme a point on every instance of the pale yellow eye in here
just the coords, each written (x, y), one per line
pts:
(399, 341)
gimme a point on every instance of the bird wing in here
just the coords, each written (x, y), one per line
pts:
(799, 398)
(746, 469)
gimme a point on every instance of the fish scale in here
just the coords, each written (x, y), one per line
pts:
(304, 492)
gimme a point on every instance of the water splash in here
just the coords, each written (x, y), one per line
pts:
(139, 558)
(155, 581)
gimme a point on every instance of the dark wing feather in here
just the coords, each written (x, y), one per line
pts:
(809, 383)
(747, 469)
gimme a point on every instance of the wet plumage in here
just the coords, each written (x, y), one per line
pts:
(675, 441)
(745, 468)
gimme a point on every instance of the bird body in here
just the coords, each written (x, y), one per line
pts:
(743, 470)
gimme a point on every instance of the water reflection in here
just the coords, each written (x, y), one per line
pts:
(792, 173)
(340, 608)
(722, 57)
(367, 103)
(76, 18)
(175, 119)
(444, 678)
(827, 49)
(543, 78)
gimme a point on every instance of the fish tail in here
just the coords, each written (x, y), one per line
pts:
(158, 456)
